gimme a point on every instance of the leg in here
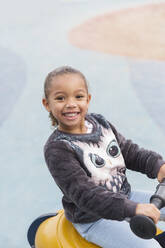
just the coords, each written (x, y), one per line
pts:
(115, 234)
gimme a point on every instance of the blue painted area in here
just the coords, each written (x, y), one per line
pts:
(33, 42)
(148, 79)
(13, 78)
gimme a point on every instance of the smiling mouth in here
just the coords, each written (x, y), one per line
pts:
(71, 115)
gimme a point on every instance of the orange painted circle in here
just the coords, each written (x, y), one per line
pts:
(137, 32)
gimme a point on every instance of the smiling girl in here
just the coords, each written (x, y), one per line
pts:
(67, 104)
(88, 158)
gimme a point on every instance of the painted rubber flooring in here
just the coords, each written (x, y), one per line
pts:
(129, 91)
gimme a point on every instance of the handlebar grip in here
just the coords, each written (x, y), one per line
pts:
(143, 226)
(158, 199)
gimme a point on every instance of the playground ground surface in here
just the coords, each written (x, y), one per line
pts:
(120, 47)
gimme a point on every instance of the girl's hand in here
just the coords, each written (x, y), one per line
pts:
(149, 210)
(161, 173)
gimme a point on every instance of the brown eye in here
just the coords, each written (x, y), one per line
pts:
(113, 149)
(59, 98)
(79, 96)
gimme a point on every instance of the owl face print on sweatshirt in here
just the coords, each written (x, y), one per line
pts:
(104, 161)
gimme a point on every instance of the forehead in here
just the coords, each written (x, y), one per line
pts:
(69, 80)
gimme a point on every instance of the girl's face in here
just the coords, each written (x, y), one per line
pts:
(68, 101)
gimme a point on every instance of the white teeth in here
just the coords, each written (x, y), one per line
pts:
(70, 114)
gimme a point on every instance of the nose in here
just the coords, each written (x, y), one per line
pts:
(70, 104)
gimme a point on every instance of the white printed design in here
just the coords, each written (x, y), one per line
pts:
(104, 161)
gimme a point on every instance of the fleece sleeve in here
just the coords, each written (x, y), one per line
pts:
(80, 189)
(139, 159)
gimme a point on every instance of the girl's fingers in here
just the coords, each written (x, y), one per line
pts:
(149, 210)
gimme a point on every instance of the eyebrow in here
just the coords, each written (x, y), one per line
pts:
(62, 92)
(80, 90)
(59, 92)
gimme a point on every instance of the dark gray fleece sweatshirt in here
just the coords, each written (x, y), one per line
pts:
(90, 171)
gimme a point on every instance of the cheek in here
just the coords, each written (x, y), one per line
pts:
(56, 106)
(85, 105)
(84, 109)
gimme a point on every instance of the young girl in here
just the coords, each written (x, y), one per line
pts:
(88, 158)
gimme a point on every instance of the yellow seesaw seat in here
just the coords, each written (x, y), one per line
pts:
(58, 232)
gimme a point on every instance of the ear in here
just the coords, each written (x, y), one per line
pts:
(46, 104)
(89, 98)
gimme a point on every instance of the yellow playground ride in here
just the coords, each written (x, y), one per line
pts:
(55, 231)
